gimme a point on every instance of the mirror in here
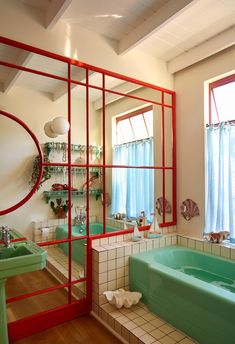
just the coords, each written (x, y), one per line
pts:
(19, 147)
(37, 98)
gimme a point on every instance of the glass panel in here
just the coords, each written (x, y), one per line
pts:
(148, 116)
(224, 98)
(167, 98)
(124, 131)
(36, 304)
(168, 136)
(79, 254)
(139, 127)
(79, 290)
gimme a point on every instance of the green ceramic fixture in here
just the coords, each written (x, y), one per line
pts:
(20, 257)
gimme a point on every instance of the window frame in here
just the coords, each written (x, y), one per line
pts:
(132, 114)
(220, 82)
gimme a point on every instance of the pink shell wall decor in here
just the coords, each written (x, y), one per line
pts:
(159, 206)
(189, 209)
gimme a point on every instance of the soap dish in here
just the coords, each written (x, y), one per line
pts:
(154, 235)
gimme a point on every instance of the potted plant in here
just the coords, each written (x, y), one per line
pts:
(61, 208)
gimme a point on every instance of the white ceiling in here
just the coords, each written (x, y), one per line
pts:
(176, 31)
(165, 29)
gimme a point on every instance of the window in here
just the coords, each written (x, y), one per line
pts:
(133, 188)
(220, 163)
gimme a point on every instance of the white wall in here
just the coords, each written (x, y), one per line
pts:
(25, 24)
(35, 109)
(189, 87)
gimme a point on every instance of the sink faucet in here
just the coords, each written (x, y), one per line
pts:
(80, 218)
(5, 236)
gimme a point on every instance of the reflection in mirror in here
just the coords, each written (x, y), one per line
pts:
(17, 154)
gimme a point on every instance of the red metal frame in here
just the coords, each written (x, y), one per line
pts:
(46, 319)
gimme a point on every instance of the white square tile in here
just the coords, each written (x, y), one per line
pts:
(120, 252)
(147, 339)
(104, 241)
(102, 267)
(225, 252)
(128, 250)
(112, 239)
(120, 282)
(191, 243)
(120, 272)
(120, 262)
(136, 248)
(156, 243)
(120, 237)
(143, 246)
(207, 247)
(199, 245)
(232, 253)
(112, 285)
(174, 240)
(111, 264)
(103, 256)
(149, 245)
(103, 277)
(111, 275)
(184, 242)
(111, 254)
(168, 241)
(215, 249)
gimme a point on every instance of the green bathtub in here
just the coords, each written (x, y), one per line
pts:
(78, 245)
(192, 290)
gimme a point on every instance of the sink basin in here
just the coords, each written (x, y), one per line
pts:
(22, 256)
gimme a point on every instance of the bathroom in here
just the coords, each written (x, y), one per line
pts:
(36, 101)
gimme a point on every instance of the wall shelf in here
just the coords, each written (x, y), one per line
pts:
(78, 170)
(75, 193)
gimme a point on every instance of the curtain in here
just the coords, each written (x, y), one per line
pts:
(220, 192)
(133, 189)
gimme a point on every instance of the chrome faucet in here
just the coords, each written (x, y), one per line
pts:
(80, 218)
(5, 236)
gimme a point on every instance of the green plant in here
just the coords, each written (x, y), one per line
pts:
(36, 168)
(61, 208)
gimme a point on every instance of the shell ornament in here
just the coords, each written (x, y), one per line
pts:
(189, 209)
(160, 204)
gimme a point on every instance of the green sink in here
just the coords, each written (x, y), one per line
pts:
(14, 234)
(22, 256)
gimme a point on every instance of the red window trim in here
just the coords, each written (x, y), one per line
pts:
(134, 113)
(212, 86)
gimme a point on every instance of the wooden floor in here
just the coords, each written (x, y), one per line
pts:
(85, 330)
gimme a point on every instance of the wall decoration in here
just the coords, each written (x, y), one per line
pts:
(160, 205)
(189, 209)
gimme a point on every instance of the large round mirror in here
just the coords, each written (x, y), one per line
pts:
(19, 148)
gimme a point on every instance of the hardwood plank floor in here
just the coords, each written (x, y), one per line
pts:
(84, 330)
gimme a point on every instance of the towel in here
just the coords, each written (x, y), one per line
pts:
(122, 297)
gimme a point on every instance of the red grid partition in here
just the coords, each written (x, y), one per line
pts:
(27, 326)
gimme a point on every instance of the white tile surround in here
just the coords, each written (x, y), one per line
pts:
(110, 259)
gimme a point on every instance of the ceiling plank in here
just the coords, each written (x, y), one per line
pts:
(112, 97)
(166, 13)
(208, 48)
(77, 76)
(55, 11)
(14, 74)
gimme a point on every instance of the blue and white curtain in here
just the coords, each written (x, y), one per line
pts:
(220, 195)
(133, 189)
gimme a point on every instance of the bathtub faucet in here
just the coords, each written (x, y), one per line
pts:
(80, 218)
(5, 236)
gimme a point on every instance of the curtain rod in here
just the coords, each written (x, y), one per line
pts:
(135, 141)
(232, 121)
